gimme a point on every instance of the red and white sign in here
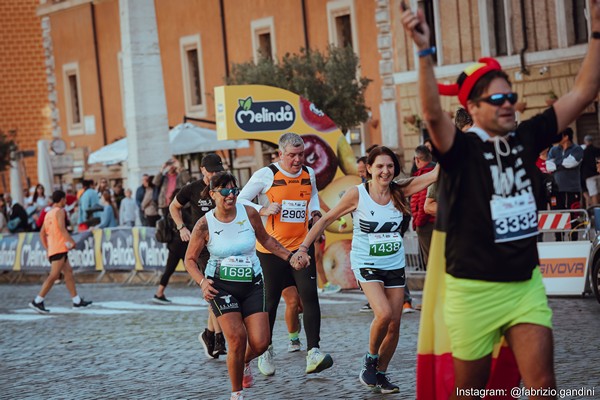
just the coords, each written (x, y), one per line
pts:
(554, 221)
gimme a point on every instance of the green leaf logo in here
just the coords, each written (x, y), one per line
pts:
(246, 104)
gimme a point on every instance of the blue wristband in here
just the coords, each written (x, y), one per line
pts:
(426, 52)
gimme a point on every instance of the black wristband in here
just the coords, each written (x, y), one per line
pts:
(290, 256)
(595, 35)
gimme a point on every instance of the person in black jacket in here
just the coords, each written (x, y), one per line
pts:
(16, 210)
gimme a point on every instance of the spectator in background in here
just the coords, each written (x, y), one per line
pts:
(139, 197)
(118, 193)
(39, 197)
(422, 222)
(564, 161)
(590, 179)
(102, 186)
(170, 179)
(108, 218)
(17, 216)
(361, 165)
(463, 120)
(149, 205)
(127, 210)
(89, 200)
(3, 216)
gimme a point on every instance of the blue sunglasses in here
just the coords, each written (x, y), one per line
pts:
(497, 99)
(227, 191)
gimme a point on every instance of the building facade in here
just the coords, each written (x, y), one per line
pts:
(79, 58)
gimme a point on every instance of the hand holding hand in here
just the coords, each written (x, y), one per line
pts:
(300, 260)
(208, 291)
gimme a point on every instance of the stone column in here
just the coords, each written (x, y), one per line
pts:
(146, 120)
(389, 114)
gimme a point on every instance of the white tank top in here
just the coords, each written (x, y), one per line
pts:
(235, 238)
(376, 240)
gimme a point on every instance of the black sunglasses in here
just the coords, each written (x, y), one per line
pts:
(227, 191)
(497, 99)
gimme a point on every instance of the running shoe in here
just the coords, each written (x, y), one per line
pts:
(38, 307)
(317, 361)
(368, 375)
(294, 345)
(366, 308)
(207, 338)
(161, 300)
(266, 366)
(219, 349)
(237, 395)
(407, 308)
(82, 304)
(330, 288)
(248, 379)
(384, 385)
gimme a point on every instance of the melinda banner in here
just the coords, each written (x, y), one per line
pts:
(115, 249)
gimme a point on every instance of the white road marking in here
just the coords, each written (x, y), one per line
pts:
(23, 317)
(128, 305)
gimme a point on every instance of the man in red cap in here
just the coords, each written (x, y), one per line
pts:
(487, 208)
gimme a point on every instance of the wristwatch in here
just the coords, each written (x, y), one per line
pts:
(180, 227)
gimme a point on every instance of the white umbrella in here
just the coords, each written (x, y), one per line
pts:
(44, 167)
(110, 154)
(188, 138)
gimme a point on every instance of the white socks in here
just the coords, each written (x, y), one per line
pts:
(76, 299)
(38, 299)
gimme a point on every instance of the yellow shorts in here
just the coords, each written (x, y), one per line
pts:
(477, 313)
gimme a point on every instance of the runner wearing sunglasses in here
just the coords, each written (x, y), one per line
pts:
(232, 282)
(487, 209)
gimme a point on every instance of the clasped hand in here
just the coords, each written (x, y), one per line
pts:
(300, 260)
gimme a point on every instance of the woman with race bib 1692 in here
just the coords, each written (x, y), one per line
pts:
(377, 254)
(233, 281)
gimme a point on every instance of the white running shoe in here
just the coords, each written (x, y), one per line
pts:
(237, 395)
(266, 366)
(317, 361)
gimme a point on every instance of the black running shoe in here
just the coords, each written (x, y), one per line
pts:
(368, 374)
(38, 307)
(82, 304)
(207, 338)
(161, 300)
(220, 348)
(385, 386)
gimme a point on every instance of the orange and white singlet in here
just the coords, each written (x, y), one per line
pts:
(297, 196)
(57, 241)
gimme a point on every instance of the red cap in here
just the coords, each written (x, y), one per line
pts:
(468, 78)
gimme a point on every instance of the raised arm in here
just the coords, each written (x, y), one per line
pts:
(422, 181)
(587, 81)
(439, 125)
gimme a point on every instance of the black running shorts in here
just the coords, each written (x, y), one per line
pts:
(244, 297)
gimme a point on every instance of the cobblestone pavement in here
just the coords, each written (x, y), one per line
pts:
(125, 347)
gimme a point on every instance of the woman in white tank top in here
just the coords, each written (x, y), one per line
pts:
(232, 282)
(377, 254)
